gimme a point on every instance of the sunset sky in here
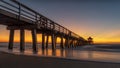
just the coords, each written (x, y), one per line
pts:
(98, 19)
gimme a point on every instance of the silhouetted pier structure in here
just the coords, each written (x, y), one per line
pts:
(90, 40)
(17, 16)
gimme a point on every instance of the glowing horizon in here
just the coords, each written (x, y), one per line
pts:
(4, 37)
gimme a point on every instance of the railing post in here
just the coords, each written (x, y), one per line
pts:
(19, 12)
(63, 30)
(59, 29)
(36, 19)
(40, 22)
(46, 26)
(11, 39)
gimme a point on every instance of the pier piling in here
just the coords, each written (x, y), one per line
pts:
(61, 44)
(43, 40)
(34, 40)
(53, 41)
(47, 39)
(11, 39)
(22, 40)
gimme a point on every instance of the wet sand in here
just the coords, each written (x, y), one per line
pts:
(22, 61)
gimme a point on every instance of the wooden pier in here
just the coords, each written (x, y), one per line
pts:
(17, 16)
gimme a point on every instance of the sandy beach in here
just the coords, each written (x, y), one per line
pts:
(23, 61)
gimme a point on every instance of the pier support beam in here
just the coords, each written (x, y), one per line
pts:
(70, 43)
(53, 41)
(78, 43)
(74, 43)
(22, 40)
(53, 52)
(34, 40)
(61, 44)
(47, 39)
(67, 42)
(11, 39)
(43, 40)
(62, 52)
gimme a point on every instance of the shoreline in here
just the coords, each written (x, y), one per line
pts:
(88, 53)
(24, 61)
(57, 57)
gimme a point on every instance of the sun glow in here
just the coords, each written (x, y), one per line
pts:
(4, 37)
(108, 37)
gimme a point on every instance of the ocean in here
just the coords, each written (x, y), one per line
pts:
(89, 52)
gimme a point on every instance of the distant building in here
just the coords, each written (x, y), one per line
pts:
(90, 40)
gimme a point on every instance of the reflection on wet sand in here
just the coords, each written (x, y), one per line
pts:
(50, 52)
(72, 54)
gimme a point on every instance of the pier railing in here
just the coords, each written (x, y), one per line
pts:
(38, 19)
